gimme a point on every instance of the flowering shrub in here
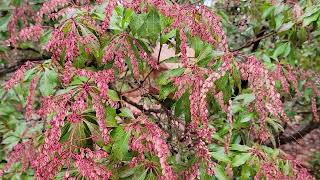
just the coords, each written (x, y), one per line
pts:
(111, 107)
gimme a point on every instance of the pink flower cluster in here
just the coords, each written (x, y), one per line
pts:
(183, 48)
(49, 7)
(64, 43)
(314, 108)
(209, 84)
(71, 46)
(88, 167)
(108, 13)
(102, 79)
(207, 28)
(134, 63)
(30, 98)
(122, 48)
(300, 172)
(263, 85)
(292, 77)
(101, 118)
(278, 74)
(316, 93)
(20, 13)
(192, 172)
(56, 44)
(198, 106)
(32, 33)
(203, 153)
(151, 139)
(109, 53)
(18, 75)
(23, 152)
(67, 73)
(269, 171)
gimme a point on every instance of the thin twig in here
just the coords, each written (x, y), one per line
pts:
(252, 41)
(140, 107)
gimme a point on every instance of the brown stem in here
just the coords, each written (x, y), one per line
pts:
(297, 135)
(140, 107)
(252, 41)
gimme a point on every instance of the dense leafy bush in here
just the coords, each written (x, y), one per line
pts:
(107, 105)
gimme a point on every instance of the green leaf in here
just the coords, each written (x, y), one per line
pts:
(220, 156)
(136, 22)
(125, 112)
(245, 172)
(282, 50)
(166, 90)
(247, 98)
(78, 80)
(308, 20)
(45, 37)
(113, 95)
(151, 27)
(29, 74)
(182, 106)
(219, 172)
(167, 36)
(93, 44)
(143, 175)
(286, 26)
(164, 78)
(279, 20)
(116, 19)
(81, 134)
(280, 9)
(286, 168)
(128, 13)
(223, 84)
(4, 22)
(94, 129)
(240, 159)
(165, 21)
(48, 82)
(11, 140)
(267, 11)
(120, 146)
(65, 132)
(197, 45)
(206, 52)
(246, 117)
(127, 172)
(110, 117)
(151, 176)
(238, 147)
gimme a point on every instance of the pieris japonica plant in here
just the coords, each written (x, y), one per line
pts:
(146, 89)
